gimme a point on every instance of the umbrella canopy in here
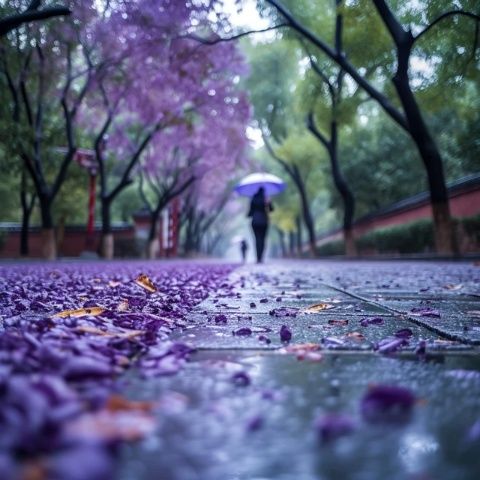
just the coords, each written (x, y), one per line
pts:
(251, 183)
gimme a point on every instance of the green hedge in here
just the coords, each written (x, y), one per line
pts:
(413, 237)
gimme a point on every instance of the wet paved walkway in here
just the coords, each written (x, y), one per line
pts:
(323, 370)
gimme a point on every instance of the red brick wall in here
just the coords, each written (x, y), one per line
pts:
(73, 244)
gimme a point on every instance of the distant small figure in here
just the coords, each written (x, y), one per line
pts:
(260, 208)
(244, 249)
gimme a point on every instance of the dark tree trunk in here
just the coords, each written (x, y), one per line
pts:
(298, 223)
(307, 217)
(106, 241)
(49, 244)
(281, 241)
(291, 243)
(27, 208)
(345, 192)
(432, 160)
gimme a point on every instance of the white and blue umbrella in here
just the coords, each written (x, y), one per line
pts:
(249, 186)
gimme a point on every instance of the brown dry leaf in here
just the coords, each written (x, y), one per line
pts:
(452, 286)
(338, 322)
(122, 306)
(318, 307)
(93, 330)
(145, 283)
(106, 333)
(114, 284)
(80, 312)
(117, 403)
(357, 336)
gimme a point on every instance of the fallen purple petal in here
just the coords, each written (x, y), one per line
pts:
(243, 332)
(365, 322)
(284, 312)
(404, 333)
(241, 379)
(285, 334)
(387, 403)
(333, 426)
(425, 312)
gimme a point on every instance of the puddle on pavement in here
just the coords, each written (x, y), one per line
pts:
(211, 428)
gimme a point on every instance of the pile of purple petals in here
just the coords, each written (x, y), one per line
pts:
(55, 370)
(393, 344)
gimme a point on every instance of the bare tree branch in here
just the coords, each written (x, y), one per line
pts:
(313, 128)
(446, 15)
(12, 22)
(340, 59)
(214, 41)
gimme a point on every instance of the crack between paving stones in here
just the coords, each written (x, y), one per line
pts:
(416, 321)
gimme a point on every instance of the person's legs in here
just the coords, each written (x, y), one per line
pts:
(260, 233)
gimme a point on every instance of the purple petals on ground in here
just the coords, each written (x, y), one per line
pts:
(284, 312)
(243, 332)
(391, 345)
(241, 379)
(387, 403)
(365, 322)
(332, 342)
(425, 312)
(395, 343)
(421, 350)
(404, 333)
(255, 423)
(333, 426)
(220, 318)
(285, 334)
(68, 332)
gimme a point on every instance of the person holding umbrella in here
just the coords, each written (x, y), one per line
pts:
(258, 185)
(260, 207)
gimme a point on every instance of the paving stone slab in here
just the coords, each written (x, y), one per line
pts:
(330, 330)
(211, 428)
(263, 304)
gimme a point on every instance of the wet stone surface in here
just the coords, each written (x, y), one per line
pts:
(364, 389)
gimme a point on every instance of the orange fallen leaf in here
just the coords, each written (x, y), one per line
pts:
(80, 312)
(129, 425)
(93, 330)
(107, 333)
(113, 284)
(318, 307)
(117, 403)
(145, 283)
